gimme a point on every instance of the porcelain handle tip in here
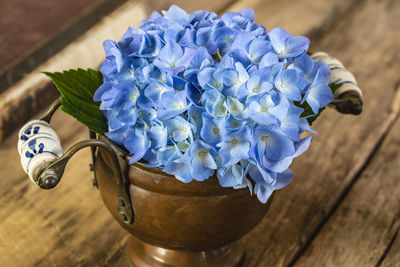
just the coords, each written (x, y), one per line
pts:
(38, 147)
(348, 97)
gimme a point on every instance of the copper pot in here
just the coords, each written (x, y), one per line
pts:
(178, 224)
(171, 223)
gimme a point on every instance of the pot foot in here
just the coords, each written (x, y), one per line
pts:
(137, 253)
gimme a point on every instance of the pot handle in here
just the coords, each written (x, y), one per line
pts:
(43, 159)
(348, 97)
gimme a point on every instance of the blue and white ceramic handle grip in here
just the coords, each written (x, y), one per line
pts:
(43, 159)
(348, 98)
(38, 147)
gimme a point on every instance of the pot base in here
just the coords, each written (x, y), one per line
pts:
(137, 253)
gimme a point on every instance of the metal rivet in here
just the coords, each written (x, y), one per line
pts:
(124, 217)
(94, 182)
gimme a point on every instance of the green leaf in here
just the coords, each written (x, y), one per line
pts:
(335, 86)
(307, 109)
(77, 88)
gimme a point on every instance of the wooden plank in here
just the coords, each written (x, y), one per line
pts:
(392, 255)
(302, 17)
(189, 6)
(66, 226)
(17, 111)
(45, 18)
(324, 173)
(34, 31)
(276, 240)
(365, 224)
(85, 52)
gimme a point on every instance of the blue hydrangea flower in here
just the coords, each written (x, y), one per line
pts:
(290, 83)
(286, 45)
(172, 104)
(319, 93)
(137, 144)
(260, 82)
(202, 160)
(211, 129)
(234, 146)
(173, 59)
(180, 129)
(249, 50)
(208, 97)
(269, 108)
(231, 176)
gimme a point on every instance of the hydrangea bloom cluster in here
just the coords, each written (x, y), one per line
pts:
(197, 94)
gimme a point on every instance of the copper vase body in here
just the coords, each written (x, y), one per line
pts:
(178, 224)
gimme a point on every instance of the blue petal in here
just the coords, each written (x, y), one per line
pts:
(118, 137)
(320, 94)
(164, 154)
(155, 89)
(297, 45)
(100, 91)
(290, 123)
(193, 93)
(257, 49)
(169, 55)
(181, 170)
(188, 38)
(261, 176)
(211, 130)
(305, 63)
(241, 56)
(158, 136)
(230, 77)
(173, 104)
(176, 14)
(113, 51)
(283, 179)
(263, 192)
(279, 147)
(248, 13)
(204, 39)
(277, 165)
(128, 116)
(199, 172)
(231, 176)
(242, 41)
(302, 146)
(278, 39)
(268, 60)
(277, 144)
(137, 144)
(205, 76)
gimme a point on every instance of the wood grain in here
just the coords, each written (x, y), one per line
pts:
(30, 94)
(392, 255)
(189, 6)
(67, 226)
(301, 17)
(322, 176)
(367, 220)
(34, 31)
(34, 21)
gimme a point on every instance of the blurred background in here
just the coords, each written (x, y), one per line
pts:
(343, 206)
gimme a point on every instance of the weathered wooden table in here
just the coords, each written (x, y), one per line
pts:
(341, 209)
